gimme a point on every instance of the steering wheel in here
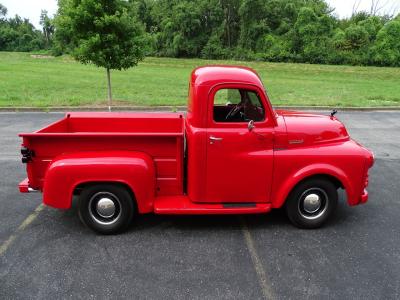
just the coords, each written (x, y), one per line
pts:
(233, 112)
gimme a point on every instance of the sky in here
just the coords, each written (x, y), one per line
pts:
(31, 8)
(344, 8)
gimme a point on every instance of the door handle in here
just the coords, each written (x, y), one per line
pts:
(214, 139)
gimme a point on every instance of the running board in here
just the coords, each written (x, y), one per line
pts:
(181, 205)
(239, 205)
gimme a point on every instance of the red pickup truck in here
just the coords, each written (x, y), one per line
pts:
(231, 154)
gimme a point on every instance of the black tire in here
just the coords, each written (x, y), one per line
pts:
(106, 208)
(312, 203)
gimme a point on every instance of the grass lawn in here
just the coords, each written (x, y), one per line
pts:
(26, 80)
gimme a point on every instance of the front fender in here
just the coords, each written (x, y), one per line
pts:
(293, 179)
(133, 169)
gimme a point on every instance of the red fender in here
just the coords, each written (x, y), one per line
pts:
(282, 193)
(133, 169)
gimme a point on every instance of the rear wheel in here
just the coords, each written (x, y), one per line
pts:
(312, 203)
(106, 208)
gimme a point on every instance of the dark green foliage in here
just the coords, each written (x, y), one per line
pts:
(274, 30)
(355, 37)
(48, 28)
(386, 51)
(270, 30)
(100, 32)
(3, 11)
(313, 36)
(18, 34)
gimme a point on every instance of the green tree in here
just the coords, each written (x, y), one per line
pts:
(230, 22)
(271, 30)
(313, 35)
(17, 34)
(3, 11)
(386, 51)
(253, 23)
(48, 27)
(105, 33)
(356, 36)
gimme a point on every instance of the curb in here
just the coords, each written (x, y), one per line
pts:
(179, 108)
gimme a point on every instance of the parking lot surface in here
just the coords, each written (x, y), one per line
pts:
(48, 254)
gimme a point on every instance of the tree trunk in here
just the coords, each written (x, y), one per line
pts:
(109, 89)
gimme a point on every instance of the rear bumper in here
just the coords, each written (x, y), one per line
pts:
(25, 188)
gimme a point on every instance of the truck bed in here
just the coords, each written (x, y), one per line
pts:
(160, 135)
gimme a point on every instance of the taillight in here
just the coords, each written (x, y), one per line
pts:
(27, 155)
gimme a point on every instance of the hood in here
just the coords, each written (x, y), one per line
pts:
(306, 128)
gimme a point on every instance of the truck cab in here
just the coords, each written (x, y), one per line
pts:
(233, 157)
(231, 154)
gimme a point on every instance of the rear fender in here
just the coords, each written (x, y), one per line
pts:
(133, 169)
(292, 180)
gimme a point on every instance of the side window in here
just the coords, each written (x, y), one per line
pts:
(237, 105)
(227, 97)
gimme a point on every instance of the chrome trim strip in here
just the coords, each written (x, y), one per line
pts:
(296, 141)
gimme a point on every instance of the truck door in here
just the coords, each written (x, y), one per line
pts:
(239, 145)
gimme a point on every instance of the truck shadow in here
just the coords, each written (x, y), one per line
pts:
(210, 222)
(276, 219)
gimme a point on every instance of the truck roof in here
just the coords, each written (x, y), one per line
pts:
(215, 74)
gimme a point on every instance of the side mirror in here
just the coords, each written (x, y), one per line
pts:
(250, 125)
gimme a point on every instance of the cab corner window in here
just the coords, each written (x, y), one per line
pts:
(237, 105)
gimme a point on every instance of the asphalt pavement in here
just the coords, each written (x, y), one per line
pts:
(49, 254)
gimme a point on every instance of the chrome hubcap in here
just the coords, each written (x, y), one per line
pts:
(105, 208)
(312, 203)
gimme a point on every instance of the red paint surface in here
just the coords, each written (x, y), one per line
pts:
(145, 152)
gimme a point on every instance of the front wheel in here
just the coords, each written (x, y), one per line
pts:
(106, 208)
(312, 203)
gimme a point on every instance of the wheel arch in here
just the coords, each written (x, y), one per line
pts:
(68, 174)
(79, 187)
(330, 173)
(338, 184)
